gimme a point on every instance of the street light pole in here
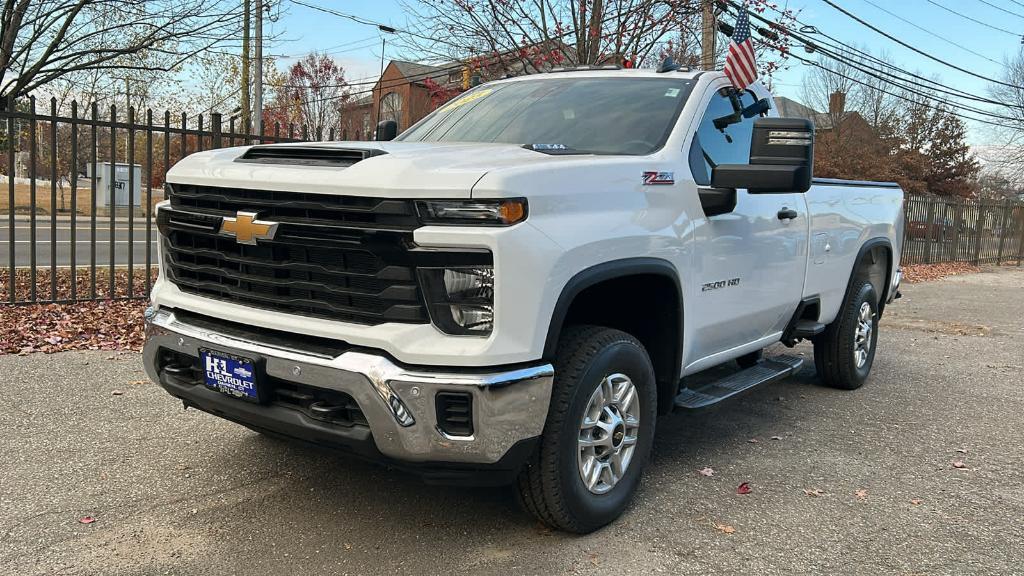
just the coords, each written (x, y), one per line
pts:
(257, 108)
(380, 81)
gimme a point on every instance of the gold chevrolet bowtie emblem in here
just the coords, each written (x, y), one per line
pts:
(247, 229)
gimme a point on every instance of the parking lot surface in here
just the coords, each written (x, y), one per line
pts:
(919, 472)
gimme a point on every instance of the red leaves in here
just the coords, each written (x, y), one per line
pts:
(86, 520)
(744, 488)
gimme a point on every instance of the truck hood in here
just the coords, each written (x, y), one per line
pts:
(405, 170)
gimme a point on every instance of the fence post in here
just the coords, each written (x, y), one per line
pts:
(1003, 232)
(978, 227)
(1020, 243)
(958, 221)
(929, 226)
(13, 139)
(215, 127)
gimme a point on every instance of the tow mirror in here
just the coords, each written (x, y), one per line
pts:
(781, 159)
(387, 130)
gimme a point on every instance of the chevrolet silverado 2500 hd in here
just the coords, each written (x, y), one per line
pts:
(518, 286)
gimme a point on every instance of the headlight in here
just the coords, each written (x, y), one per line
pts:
(502, 212)
(460, 300)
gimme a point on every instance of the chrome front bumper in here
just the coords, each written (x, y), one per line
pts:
(398, 404)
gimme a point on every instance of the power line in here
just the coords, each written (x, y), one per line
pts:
(932, 85)
(929, 32)
(975, 20)
(860, 68)
(919, 51)
(841, 46)
(1001, 9)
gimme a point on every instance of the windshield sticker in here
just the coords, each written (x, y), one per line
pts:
(672, 92)
(549, 147)
(659, 178)
(471, 97)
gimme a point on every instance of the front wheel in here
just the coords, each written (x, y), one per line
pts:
(598, 433)
(845, 351)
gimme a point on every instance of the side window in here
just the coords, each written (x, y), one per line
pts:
(712, 146)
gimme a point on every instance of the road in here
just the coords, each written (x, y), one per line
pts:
(83, 236)
(183, 493)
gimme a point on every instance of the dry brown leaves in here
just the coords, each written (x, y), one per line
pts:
(914, 273)
(101, 325)
(91, 325)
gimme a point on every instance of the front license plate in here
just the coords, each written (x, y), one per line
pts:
(232, 375)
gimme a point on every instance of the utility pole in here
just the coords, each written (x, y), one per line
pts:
(257, 108)
(246, 110)
(707, 44)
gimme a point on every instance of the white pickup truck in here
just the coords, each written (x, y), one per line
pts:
(517, 287)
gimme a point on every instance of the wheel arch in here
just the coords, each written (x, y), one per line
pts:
(868, 266)
(656, 288)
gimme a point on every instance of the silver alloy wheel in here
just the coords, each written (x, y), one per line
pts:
(608, 433)
(862, 334)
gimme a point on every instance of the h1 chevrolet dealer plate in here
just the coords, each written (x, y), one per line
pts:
(230, 374)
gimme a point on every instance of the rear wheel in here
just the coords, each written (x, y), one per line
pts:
(598, 433)
(845, 351)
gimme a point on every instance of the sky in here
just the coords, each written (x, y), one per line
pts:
(994, 34)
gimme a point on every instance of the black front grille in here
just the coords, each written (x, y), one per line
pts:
(336, 257)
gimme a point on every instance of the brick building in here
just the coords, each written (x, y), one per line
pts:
(400, 95)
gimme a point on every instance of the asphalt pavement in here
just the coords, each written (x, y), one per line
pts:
(860, 482)
(125, 234)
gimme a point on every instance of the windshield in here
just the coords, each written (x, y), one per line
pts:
(625, 115)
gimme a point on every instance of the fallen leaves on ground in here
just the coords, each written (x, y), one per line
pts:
(744, 488)
(100, 325)
(958, 464)
(725, 528)
(916, 501)
(706, 471)
(914, 273)
(86, 520)
(104, 324)
(815, 492)
(861, 494)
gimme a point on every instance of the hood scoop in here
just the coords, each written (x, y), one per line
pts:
(307, 155)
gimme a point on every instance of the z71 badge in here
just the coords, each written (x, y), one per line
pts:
(659, 178)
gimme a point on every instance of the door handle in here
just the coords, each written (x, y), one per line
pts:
(787, 214)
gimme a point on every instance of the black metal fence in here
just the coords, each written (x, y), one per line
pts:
(953, 230)
(81, 186)
(75, 231)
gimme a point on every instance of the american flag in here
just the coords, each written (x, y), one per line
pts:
(740, 66)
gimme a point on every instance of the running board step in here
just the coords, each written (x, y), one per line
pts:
(807, 329)
(764, 372)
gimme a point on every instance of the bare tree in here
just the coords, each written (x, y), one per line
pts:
(530, 35)
(1008, 156)
(45, 40)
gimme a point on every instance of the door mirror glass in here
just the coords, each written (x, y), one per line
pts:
(781, 159)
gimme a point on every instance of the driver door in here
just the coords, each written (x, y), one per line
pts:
(749, 264)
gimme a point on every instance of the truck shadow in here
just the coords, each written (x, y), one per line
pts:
(341, 494)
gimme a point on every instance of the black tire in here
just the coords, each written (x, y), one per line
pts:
(750, 360)
(834, 348)
(550, 486)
